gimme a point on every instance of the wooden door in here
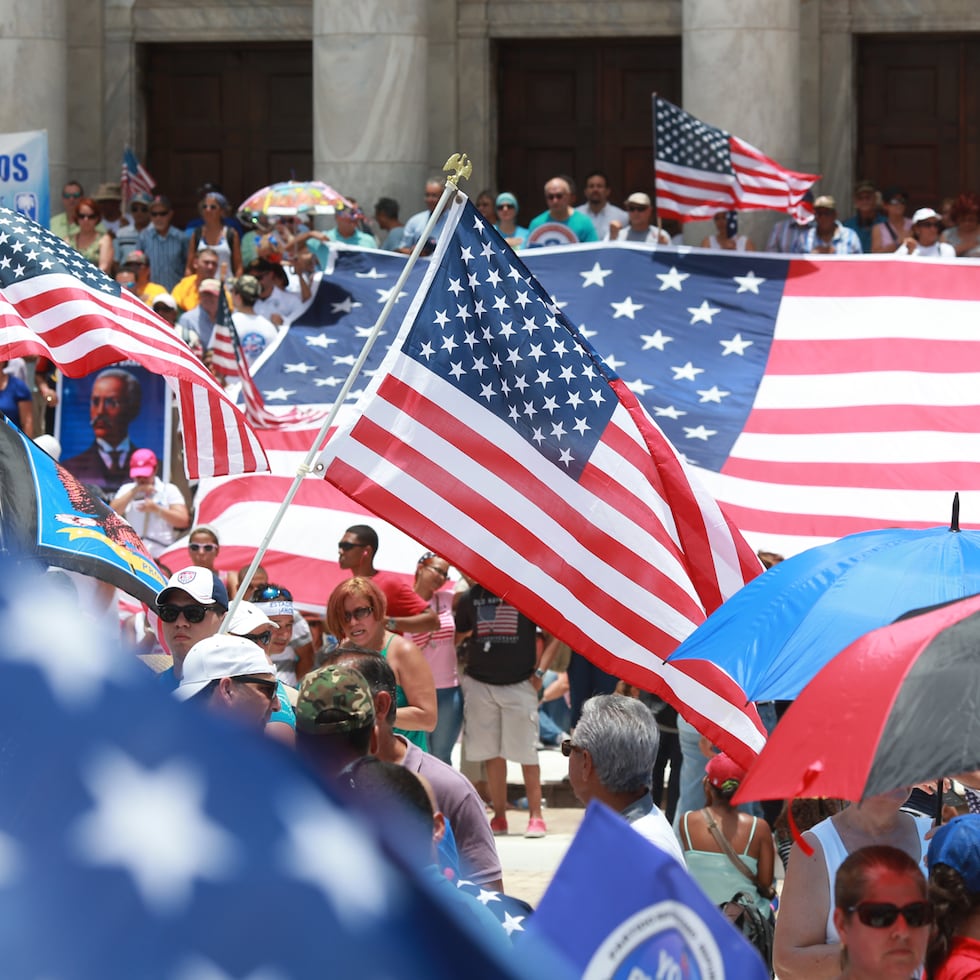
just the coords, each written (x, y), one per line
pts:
(239, 115)
(918, 114)
(570, 107)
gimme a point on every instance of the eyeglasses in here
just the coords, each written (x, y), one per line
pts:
(74, 195)
(361, 612)
(637, 207)
(207, 548)
(567, 748)
(168, 612)
(159, 214)
(897, 200)
(501, 207)
(138, 207)
(267, 593)
(86, 216)
(881, 915)
(348, 545)
(555, 197)
(263, 639)
(269, 688)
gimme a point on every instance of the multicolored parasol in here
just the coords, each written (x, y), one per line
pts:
(293, 197)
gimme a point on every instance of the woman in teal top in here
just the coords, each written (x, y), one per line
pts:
(748, 838)
(357, 610)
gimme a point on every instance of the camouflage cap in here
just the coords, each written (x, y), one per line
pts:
(332, 700)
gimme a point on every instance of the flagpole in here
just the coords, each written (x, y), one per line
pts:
(461, 168)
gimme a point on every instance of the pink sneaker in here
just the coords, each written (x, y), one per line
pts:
(499, 826)
(536, 828)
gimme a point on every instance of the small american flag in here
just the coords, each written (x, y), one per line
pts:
(495, 434)
(134, 178)
(56, 304)
(701, 170)
(229, 360)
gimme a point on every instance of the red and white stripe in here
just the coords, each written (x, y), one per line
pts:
(82, 330)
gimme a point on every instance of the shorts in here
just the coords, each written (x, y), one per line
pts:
(500, 721)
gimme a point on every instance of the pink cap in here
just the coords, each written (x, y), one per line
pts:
(143, 462)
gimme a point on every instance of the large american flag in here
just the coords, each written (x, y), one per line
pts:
(57, 304)
(701, 170)
(493, 432)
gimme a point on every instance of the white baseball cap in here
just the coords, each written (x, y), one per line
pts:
(249, 618)
(220, 656)
(201, 584)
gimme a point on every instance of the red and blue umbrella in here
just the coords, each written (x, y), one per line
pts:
(775, 633)
(902, 704)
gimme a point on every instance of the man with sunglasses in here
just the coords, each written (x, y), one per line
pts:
(64, 223)
(164, 245)
(407, 612)
(639, 212)
(561, 224)
(233, 677)
(190, 608)
(138, 219)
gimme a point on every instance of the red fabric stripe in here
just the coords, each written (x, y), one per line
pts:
(811, 525)
(870, 418)
(887, 278)
(918, 354)
(893, 476)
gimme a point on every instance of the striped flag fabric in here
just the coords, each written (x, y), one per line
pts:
(700, 170)
(56, 304)
(134, 178)
(495, 434)
(228, 359)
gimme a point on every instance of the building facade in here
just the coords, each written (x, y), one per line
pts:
(372, 97)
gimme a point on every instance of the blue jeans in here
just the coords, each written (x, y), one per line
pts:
(449, 702)
(553, 716)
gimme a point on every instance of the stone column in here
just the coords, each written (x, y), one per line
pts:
(741, 72)
(370, 125)
(33, 59)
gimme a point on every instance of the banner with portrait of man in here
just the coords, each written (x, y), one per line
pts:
(103, 418)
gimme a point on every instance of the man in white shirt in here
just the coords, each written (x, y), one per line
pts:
(277, 304)
(611, 758)
(597, 207)
(155, 509)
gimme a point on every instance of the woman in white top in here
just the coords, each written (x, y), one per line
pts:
(807, 944)
(924, 241)
(727, 238)
(214, 234)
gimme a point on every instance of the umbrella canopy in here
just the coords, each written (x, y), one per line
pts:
(903, 703)
(46, 513)
(293, 197)
(774, 634)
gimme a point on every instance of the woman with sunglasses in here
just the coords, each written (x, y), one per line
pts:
(94, 245)
(438, 646)
(214, 234)
(507, 208)
(276, 602)
(356, 610)
(807, 943)
(203, 548)
(883, 914)
(954, 890)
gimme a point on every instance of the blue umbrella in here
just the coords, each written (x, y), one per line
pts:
(776, 633)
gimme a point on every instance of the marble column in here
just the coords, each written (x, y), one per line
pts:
(741, 72)
(33, 59)
(370, 126)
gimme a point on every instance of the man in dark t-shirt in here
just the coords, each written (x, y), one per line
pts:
(500, 699)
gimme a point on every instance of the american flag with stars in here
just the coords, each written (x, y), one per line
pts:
(152, 837)
(701, 170)
(57, 304)
(494, 433)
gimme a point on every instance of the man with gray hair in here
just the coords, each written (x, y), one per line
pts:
(611, 758)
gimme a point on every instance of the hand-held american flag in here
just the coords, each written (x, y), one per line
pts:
(55, 303)
(701, 170)
(229, 360)
(134, 177)
(494, 434)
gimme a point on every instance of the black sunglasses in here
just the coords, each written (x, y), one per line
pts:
(348, 545)
(567, 748)
(881, 915)
(168, 612)
(138, 207)
(263, 639)
(636, 207)
(267, 687)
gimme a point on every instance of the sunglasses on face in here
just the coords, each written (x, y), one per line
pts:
(267, 687)
(636, 207)
(567, 748)
(138, 207)
(881, 915)
(361, 612)
(159, 214)
(554, 197)
(84, 217)
(509, 207)
(69, 195)
(262, 639)
(348, 545)
(207, 548)
(193, 614)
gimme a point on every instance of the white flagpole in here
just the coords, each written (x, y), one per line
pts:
(461, 168)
